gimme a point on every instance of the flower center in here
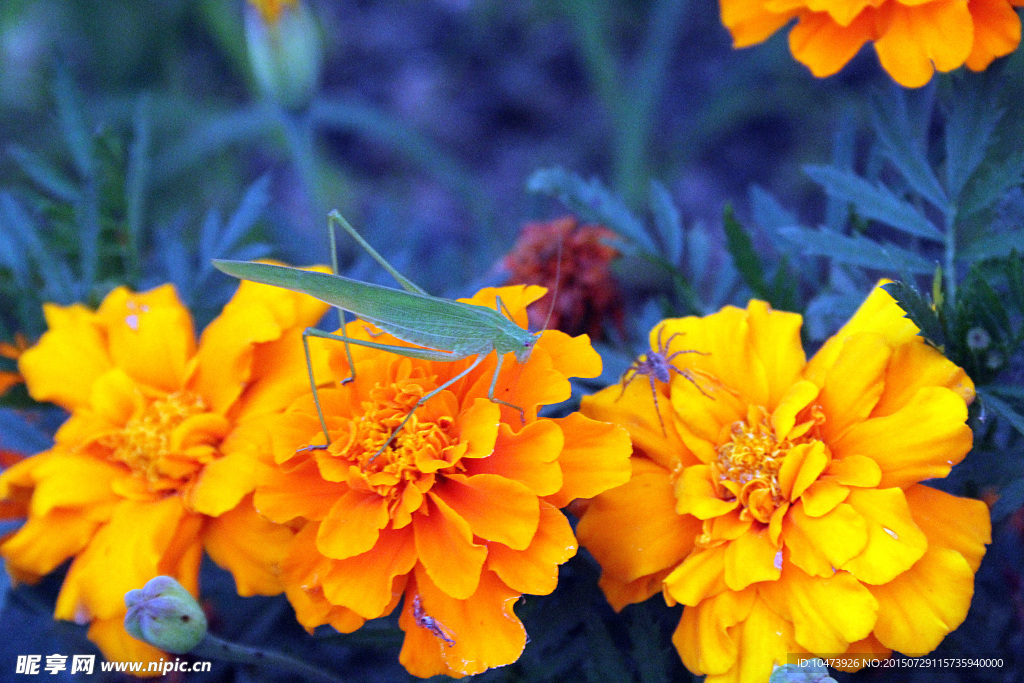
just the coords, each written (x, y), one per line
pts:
(154, 442)
(747, 467)
(420, 448)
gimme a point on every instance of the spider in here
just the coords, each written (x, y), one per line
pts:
(657, 365)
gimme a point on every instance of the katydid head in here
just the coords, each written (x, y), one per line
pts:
(524, 351)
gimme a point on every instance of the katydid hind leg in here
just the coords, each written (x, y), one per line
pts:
(494, 382)
(336, 218)
(306, 334)
(426, 397)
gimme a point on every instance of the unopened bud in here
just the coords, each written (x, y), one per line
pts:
(285, 51)
(165, 615)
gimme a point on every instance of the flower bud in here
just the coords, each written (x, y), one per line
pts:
(165, 615)
(285, 51)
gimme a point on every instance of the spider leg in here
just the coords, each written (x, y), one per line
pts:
(657, 408)
(687, 375)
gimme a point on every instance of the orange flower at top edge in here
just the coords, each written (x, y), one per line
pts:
(912, 39)
(150, 468)
(271, 10)
(459, 514)
(782, 505)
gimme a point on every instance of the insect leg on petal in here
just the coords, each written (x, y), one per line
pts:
(424, 620)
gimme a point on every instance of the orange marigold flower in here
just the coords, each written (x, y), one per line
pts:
(587, 294)
(152, 466)
(459, 514)
(271, 10)
(912, 38)
(782, 505)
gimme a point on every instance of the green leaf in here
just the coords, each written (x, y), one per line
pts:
(592, 202)
(741, 248)
(991, 182)
(920, 312)
(874, 202)
(992, 245)
(49, 179)
(137, 172)
(72, 123)
(898, 135)
(857, 250)
(768, 212)
(1015, 278)
(970, 123)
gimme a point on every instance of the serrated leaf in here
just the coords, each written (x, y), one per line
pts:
(857, 250)
(667, 221)
(741, 248)
(992, 245)
(920, 312)
(874, 202)
(991, 182)
(1015, 278)
(137, 171)
(58, 285)
(592, 202)
(1001, 408)
(977, 300)
(893, 126)
(768, 212)
(42, 174)
(969, 125)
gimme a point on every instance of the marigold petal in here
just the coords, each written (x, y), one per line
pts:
(913, 38)
(634, 530)
(571, 356)
(124, 554)
(827, 613)
(751, 558)
(74, 340)
(855, 470)
(286, 493)
(621, 593)
(486, 630)
(749, 23)
(279, 374)
(894, 541)
(996, 32)
(478, 427)
(706, 638)
(65, 480)
(797, 397)
(823, 45)
(535, 569)
(118, 646)
(819, 545)
(497, 509)
(149, 334)
(248, 546)
(514, 297)
(696, 494)
(595, 458)
(919, 608)
(223, 483)
(916, 365)
(811, 459)
(444, 544)
(880, 314)
(529, 456)
(775, 337)
(922, 440)
(823, 496)
(853, 383)
(43, 542)
(353, 524)
(960, 524)
(698, 577)
(363, 583)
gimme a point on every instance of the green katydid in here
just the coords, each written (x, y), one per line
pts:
(450, 330)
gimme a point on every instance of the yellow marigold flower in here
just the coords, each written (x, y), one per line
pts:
(912, 38)
(782, 505)
(459, 514)
(152, 466)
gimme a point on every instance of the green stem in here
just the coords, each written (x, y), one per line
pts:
(950, 253)
(212, 647)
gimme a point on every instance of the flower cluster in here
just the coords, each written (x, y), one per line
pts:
(912, 39)
(573, 261)
(781, 502)
(457, 512)
(153, 466)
